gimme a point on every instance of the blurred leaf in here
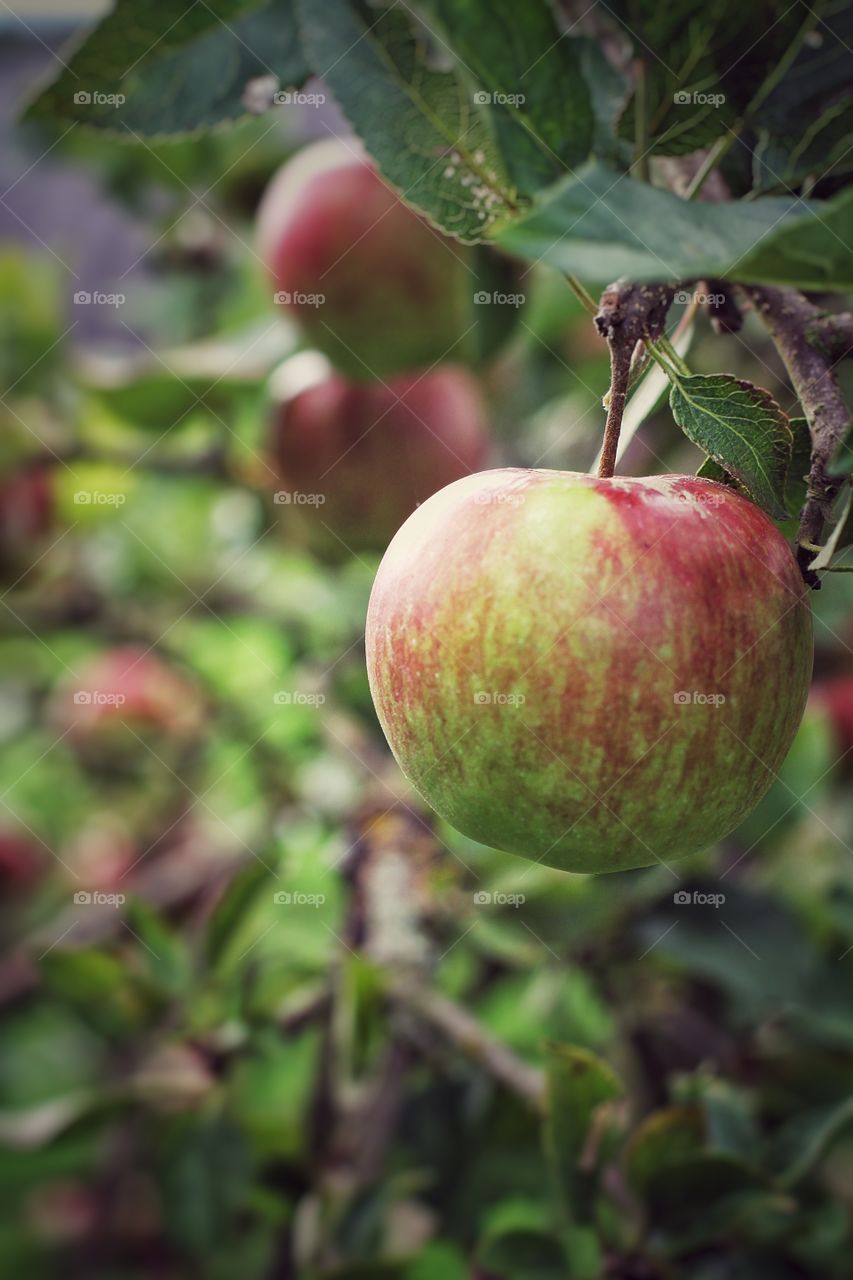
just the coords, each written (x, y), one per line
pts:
(523, 1255)
(806, 1138)
(239, 898)
(270, 1089)
(577, 1083)
(205, 1181)
(48, 1053)
(428, 136)
(599, 225)
(438, 1261)
(741, 427)
(805, 123)
(679, 47)
(164, 954)
(671, 1136)
(550, 129)
(149, 72)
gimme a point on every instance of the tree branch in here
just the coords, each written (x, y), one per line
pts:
(832, 333)
(790, 319)
(457, 1025)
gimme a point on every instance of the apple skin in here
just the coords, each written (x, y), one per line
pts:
(374, 451)
(597, 602)
(397, 294)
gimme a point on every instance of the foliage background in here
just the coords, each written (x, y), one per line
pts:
(207, 1079)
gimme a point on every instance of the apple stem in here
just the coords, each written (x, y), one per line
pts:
(627, 314)
(620, 378)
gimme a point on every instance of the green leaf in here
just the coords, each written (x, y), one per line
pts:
(538, 99)
(147, 70)
(741, 427)
(523, 1255)
(711, 470)
(664, 1138)
(806, 1138)
(205, 1177)
(428, 135)
(671, 1168)
(804, 125)
(577, 1083)
(438, 1261)
(233, 907)
(162, 952)
(600, 224)
(684, 106)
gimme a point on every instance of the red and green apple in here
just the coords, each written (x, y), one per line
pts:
(596, 674)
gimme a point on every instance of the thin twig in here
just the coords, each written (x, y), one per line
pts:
(462, 1029)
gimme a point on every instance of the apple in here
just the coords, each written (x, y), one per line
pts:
(373, 285)
(355, 459)
(26, 517)
(21, 862)
(124, 691)
(594, 673)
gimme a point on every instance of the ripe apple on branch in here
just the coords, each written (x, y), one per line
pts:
(593, 672)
